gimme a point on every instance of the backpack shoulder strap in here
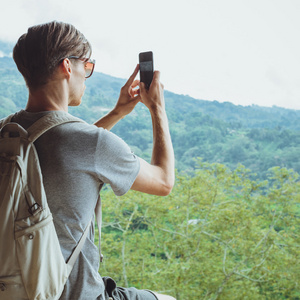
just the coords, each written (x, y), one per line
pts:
(72, 259)
(78, 248)
(35, 131)
(6, 120)
(49, 121)
(98, 212)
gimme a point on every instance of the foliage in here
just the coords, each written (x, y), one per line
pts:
(219, 235)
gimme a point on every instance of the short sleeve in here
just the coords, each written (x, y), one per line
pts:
(115, 163)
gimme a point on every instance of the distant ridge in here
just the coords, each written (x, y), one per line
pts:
(257, 137)
(6, 49)
(108, 88)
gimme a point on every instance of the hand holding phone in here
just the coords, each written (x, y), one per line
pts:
(146, 68)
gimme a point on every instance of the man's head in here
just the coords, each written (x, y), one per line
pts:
(40, 51)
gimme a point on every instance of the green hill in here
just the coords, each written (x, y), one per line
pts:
(257, 137)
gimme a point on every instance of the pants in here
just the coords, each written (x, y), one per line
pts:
(119, 293)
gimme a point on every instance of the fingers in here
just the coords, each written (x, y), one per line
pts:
(156, 87)
(133, 75)
(133, 90)
(135, 83)
(142, 86)
(155, 82)
(156, 76)
(136, 99)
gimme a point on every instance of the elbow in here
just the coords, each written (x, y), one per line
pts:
(166, 192)
(167, 188)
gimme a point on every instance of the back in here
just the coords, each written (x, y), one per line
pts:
(32, 266)
(76, 160)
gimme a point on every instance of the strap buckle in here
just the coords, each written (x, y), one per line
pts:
(34, 209)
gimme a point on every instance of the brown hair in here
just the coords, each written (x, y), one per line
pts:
(39, 51)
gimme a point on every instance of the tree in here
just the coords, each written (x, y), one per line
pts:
(219, 235)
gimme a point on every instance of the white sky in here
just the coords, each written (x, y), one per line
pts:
(242, 51)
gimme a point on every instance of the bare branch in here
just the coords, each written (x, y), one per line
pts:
(249, 278)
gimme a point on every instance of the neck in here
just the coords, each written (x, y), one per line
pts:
(52, 96)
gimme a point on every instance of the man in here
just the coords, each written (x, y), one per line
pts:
(77, 159)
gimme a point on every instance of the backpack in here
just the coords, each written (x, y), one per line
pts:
(32, 264)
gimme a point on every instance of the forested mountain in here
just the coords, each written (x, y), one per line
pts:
(257, 137)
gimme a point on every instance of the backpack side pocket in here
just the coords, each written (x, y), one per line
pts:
(43, 268)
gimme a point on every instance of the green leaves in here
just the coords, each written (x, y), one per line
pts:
(219, 235)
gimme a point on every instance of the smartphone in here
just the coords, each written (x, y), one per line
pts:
(146, 67)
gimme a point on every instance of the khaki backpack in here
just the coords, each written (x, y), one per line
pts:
(32, 265)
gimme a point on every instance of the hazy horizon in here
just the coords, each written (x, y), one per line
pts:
(187, 95)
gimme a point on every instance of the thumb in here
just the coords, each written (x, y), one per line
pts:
(142, 85)
(142, 88)
(136, 99)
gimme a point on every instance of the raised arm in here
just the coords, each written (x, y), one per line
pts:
(128, 99)
(158, 177)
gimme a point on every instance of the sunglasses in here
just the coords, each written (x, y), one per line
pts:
(89, 65)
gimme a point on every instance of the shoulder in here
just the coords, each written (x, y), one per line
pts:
(83, 133)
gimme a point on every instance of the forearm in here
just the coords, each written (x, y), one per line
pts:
(109, 120)
(162, 153)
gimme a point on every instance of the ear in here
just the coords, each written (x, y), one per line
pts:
(66, 67)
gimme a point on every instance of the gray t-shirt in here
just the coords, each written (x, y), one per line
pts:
(76, 160)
